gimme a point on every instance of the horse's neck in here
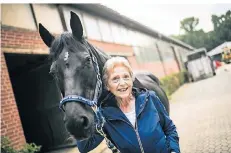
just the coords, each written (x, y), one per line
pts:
(101, 57)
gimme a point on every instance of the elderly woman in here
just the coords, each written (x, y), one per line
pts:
(133, 116)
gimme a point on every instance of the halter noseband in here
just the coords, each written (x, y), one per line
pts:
(92, 103)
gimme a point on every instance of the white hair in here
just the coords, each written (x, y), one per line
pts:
(113, 62)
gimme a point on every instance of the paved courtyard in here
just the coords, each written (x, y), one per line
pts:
(202, 114)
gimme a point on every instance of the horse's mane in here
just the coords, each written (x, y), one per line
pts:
(100, 55)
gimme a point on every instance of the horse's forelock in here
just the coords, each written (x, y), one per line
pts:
(56, 48)
(65, 40)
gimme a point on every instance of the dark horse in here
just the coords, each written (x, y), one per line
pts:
(73, 69)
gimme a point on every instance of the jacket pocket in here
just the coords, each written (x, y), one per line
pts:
(161, 146)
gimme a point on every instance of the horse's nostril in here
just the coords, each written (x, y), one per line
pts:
(85, 122)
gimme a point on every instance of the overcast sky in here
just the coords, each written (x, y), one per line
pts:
(166, 18)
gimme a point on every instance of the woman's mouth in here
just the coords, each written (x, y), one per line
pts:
(123, 89)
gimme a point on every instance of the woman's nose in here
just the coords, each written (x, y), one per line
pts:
(122, 82)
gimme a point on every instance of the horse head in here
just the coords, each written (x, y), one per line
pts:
(74, 71)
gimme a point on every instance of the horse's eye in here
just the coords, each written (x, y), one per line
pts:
(51, 72)
(67, 64)
(88, 59)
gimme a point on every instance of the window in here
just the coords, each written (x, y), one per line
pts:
(145, 55)
(49, 16)
(151, 42)
(154, 55)
(12, 15)
(116, 33)
(92, 27)
(168, 54)
(137, 54)
(132, 37)
(124, 35)
(105, 30)
(166, 51)
(142, 40)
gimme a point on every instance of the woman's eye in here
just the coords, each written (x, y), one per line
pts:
(87, 61)
(126, 77)
(115, 80)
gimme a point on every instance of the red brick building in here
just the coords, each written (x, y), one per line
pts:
(28, 110)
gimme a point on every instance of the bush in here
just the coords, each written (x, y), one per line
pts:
(172, 82)
(30, 148)
(7, 148)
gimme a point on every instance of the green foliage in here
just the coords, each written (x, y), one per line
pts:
(209, 40)
(7, 148)
(189, 24)
(172, 82)
(30, 148)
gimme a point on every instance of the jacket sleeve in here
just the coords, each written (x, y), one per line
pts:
(89, 144)
(168, 126)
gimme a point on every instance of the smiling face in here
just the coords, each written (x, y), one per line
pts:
(120, 81)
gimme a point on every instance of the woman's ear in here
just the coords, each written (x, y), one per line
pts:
(107, 88)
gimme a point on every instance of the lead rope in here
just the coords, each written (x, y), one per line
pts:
(99, 129)
(99, 115)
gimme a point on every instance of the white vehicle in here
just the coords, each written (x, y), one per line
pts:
(200, 65)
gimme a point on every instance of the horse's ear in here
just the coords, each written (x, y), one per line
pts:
(45, 35)
(76, 26)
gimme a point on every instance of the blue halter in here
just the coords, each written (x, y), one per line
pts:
(71, 98)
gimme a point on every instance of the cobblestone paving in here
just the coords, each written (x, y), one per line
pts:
(202, 114)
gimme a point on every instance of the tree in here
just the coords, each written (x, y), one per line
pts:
(209, 40)
(222, 27)
(218, 22)
(189, 24)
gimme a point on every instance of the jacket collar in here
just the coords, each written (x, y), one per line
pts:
(112, 112)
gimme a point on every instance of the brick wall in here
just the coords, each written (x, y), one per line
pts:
(171, 67)
(12, 37)
(15, 40)
(10, 121)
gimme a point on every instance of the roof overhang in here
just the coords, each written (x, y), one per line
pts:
(109, 14)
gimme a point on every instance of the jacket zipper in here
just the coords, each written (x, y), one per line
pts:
(138, 137)
(137, 133)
